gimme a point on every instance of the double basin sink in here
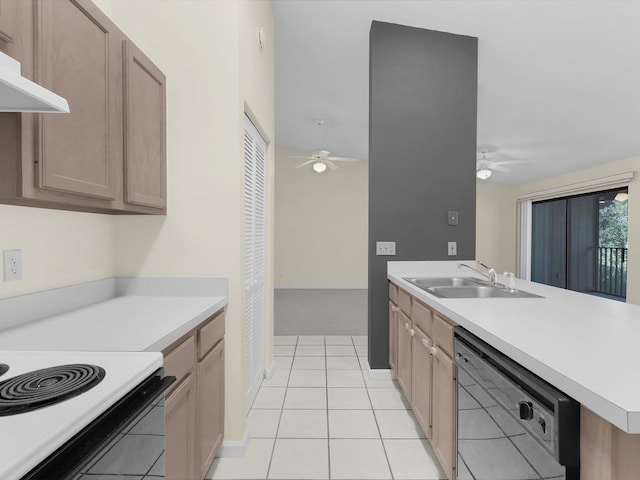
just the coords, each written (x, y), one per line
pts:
(466, 287)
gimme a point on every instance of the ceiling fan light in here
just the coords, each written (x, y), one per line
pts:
(319, 167)
(483, 173)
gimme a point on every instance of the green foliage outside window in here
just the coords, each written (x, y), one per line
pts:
(613, 224)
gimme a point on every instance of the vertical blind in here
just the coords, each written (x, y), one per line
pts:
(254, 258)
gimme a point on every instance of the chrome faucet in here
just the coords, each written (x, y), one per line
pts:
(491, 273)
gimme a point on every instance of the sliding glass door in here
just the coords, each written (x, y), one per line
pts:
(580, 243)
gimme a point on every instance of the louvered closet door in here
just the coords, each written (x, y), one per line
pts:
(254, 245)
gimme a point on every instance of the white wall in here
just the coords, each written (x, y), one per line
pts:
(503, 251)
(59, 248)
(321, 236)
(495, 226)
(215, 70)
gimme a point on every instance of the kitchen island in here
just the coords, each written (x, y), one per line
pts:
(581, 344)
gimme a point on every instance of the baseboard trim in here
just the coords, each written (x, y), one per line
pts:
(380, 373)
(234, 448)
(270, 370)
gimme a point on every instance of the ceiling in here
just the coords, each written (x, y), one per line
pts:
(558, 80)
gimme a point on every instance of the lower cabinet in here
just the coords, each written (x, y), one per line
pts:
(421, 380)
(425, 371)
(180, 427)
(210, 405)
(443, 438)
(404, 362)
(194, 406)
(393, 333)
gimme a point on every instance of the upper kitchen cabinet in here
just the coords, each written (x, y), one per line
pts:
(144, 130)
(108, 155)
(79, 153)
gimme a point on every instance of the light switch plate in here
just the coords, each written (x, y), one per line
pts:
(452, 248)
(452, 216)
(12, 262)
(385, 248)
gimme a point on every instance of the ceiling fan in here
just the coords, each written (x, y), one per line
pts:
(321, 160)
(485, 166)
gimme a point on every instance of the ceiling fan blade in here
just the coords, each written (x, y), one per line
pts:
(303, 158)
(304, 164)
(508, 162)
(499, 168)
(343, 159)
(330, 164)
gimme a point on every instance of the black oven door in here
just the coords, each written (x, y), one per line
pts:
(126, 440)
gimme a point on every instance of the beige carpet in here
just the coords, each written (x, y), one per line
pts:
(320, 312)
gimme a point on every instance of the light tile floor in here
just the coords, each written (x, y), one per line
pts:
(321, 417)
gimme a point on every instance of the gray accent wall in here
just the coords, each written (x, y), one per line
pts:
(422, 154)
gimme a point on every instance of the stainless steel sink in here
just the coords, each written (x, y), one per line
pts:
(467, 292)
(426, 282)
(478, 291)
(465, 287)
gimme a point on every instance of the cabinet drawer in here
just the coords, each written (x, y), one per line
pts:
(210, 334)
(421, 316)
(404, 302)
(181, 360)
(443, 335)
(393, 293)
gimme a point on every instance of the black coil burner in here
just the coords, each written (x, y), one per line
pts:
(3, 368)
(41, 388)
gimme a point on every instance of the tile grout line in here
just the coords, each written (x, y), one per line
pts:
(375, 417)
(275, 439)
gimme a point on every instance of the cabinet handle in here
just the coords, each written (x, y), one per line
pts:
(434, 351)
(425, 342)
(412, 332)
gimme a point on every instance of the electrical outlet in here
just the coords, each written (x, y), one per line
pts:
(452, 248)
(385, 248)
(12, 265)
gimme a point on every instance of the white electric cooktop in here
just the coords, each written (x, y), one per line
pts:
(28, 438)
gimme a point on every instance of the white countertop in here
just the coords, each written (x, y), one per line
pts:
(584, 345)
(127, 323)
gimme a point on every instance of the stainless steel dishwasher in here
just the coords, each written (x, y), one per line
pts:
(511, 424)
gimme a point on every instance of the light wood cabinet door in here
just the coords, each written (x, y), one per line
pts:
(7, 21)
(144, 130)
(393, 336)
(421, 380)
(180, 432)
(79, 58)
(444, 411)
(404, 361)
(210, 405)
